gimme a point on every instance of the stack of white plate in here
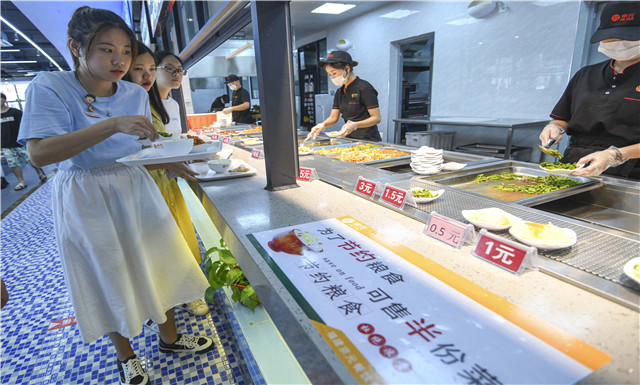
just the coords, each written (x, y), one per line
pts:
(426, 160)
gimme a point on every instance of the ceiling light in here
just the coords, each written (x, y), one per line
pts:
(189, 19)
(19, 61)
(399, 14)
(9, 50)
(333, 8)
(30, 42)
(244, 47)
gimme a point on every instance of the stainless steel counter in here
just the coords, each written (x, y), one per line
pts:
(241, 206)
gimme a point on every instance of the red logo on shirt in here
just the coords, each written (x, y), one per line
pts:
(623, 17)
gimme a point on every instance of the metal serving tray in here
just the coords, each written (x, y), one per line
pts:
(408, 157)
(463, 180)
(321, 142)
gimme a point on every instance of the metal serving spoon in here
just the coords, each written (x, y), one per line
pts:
(550, 151)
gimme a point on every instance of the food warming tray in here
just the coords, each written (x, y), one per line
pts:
(463, 180)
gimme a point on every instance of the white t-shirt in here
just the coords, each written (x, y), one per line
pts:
(175, 125)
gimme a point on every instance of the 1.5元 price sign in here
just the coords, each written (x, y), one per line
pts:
(504, 253)
(448, 230)
(393, 196)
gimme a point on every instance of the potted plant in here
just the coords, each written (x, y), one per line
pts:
(226, 272)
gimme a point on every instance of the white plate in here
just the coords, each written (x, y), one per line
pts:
(304, 153)
(332, 134)
(559, 171)
(426, 200)
(235, 163)
(208, 147)
(150, 156)
(453, 166)
(490, 226)
(628, 269)
(425, 170)
(225, 153)
(545, 246)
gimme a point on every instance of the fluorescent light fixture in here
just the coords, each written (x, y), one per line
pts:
(463, 21)
(398, 14)
(19, 61)
(333, 8)
(10, 50)
(31, 42)
(244, 47)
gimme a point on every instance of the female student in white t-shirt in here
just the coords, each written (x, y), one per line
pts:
(123, 256)
(169, 77)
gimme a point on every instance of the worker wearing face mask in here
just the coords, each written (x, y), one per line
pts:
(356, 100)
(600, 109)
(240, 101)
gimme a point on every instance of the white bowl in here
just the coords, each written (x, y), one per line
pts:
(202, 168)
(212, 146)
(628, 269)
(488, 225)
(173, 147)
(426, 200)
(219, 164)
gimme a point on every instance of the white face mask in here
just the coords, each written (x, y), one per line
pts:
(233, 87)
(621, 49)
(340, 80)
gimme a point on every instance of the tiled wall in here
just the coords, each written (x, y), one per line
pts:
(513, 64)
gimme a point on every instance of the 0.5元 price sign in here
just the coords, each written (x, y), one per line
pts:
(448, 230)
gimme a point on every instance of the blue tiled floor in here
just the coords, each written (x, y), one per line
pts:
(32, 355)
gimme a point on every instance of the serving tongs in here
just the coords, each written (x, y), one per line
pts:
(550, 151)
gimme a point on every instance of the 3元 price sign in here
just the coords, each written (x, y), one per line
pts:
(447, 230)
(504, 253)
(366, 187)
(393, 196)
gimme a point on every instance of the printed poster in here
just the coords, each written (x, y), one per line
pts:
(394, 316)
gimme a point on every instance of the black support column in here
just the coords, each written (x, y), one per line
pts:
(273, 47)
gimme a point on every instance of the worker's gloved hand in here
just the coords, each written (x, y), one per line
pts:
(600, 161)
(315, 130)
(227, 110)
(348, 128)
(551, 131)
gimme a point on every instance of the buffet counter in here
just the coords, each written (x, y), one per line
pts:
(239, 207)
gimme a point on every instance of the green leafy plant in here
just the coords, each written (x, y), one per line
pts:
(226, 272)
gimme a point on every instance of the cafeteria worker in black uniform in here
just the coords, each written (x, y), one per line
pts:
(600, 109)
(240, 101)
(356, 100)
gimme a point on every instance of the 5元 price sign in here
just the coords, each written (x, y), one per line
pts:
(393, 196)
(447, 230)
(307, 174)
(366, 187)
(504, 253)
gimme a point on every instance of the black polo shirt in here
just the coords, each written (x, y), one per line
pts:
(601, 106)
(354, 102)
(10, 127)
(241, 96)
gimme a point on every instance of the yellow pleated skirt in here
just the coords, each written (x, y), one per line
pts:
(178, 207)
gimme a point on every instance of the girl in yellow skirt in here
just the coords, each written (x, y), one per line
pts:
(143, 72)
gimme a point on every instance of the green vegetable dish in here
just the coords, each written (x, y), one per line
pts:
(422, 193)
(636, 270)
(558, 165)
(531, 185)
(163, 134)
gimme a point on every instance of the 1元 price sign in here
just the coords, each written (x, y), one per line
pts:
(504, 253)
(393, 196)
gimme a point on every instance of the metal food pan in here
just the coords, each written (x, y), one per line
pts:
(463, 180)
(407, 157)
(346, 144)
(321, 142)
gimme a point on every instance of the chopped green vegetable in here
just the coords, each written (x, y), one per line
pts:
(558, 165)
(554, 152)
(534, 185)
(422, 193)
(165, 134)
(636, 270)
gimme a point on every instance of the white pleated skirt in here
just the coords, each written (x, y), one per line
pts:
(123, 256)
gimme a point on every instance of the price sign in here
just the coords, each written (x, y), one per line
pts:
(447, 230)
(215, 137)
(226, 140)
(307, 174)
(393, 196)
(366, 187)
(503, 252)
(257, 154)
